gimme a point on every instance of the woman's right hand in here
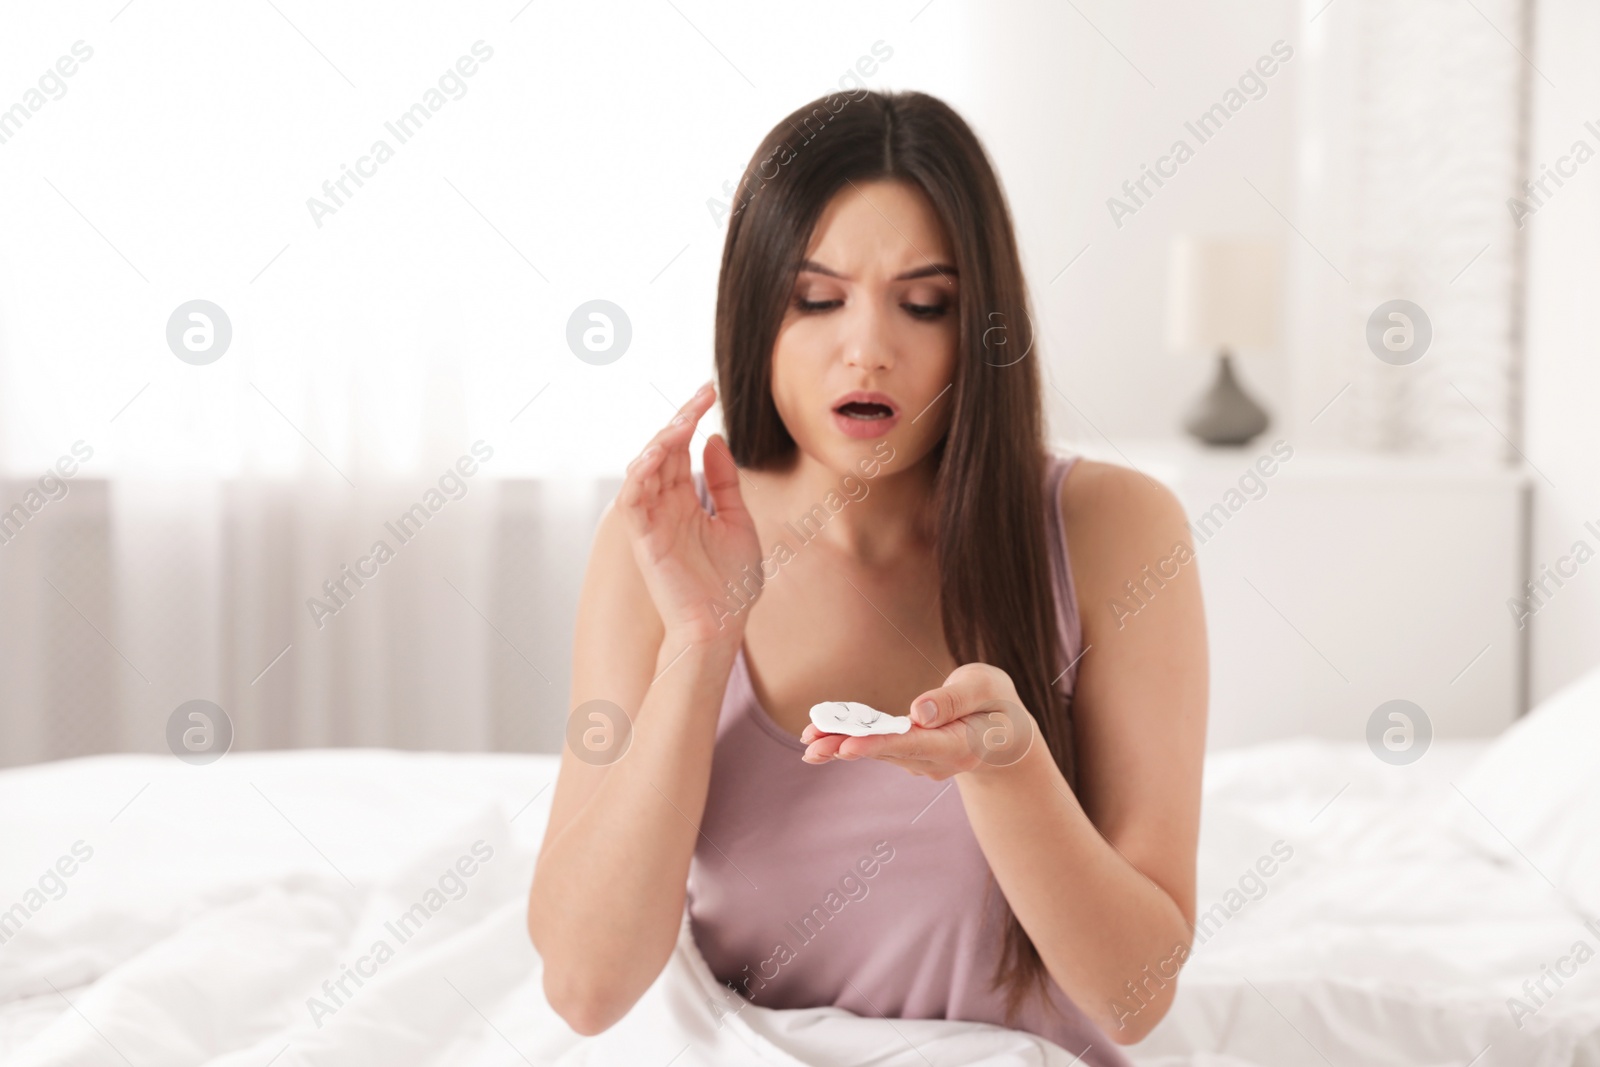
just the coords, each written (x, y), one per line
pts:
(686, 556)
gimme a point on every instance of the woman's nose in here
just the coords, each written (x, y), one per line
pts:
(867, 343)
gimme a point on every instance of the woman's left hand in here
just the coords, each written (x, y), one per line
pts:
(973, 723)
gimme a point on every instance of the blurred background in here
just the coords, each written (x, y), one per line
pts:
(281, 282)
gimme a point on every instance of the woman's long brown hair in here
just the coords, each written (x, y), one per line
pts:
(997, 601)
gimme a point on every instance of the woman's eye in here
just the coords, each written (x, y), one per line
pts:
(926, 311)
(816, 305)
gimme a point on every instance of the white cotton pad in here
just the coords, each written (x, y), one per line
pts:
(857, 720)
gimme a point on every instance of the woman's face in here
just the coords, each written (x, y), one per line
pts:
(873, 312)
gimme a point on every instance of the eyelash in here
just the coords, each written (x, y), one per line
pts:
(917, 311)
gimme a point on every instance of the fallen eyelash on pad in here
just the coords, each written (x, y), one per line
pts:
(857, 720)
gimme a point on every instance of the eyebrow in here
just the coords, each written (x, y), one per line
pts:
(940, 269)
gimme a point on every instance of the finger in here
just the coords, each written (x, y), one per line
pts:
(650, 453)
(675, 468)
(640, 487)
(968, 689)
(676, 435)
(666, 454)
(722, 479)
(914, 744)
(823, 748)
(673, 438)
(682, 424)
(946, 704)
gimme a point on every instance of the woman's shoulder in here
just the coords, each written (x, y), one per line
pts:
(1115, 520)
(1097, 493)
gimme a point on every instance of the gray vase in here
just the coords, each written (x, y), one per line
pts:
(1225, 414)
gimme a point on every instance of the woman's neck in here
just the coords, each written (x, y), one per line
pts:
(873, 520)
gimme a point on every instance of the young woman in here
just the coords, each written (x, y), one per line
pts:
(884, 524)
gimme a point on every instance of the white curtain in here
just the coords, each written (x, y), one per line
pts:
(126, 599)
(1411, 134)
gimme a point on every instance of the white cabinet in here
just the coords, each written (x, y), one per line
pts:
(1339, 581)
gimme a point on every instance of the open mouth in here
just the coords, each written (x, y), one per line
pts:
(864, 410)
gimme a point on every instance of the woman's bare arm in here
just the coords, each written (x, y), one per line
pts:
(1103, 879)
(608, 891)
(609, 886)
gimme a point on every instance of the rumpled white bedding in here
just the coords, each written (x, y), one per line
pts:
(217, 901)
(215, 905)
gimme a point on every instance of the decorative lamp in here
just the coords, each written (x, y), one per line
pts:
(1224, 295)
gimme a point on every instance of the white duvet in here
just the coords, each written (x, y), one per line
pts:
(354, 907)
(316, 908)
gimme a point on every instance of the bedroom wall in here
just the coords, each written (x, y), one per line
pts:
(1118, 82)
(1563, 363)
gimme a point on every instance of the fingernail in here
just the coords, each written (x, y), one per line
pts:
(703, 390)
(926, 711)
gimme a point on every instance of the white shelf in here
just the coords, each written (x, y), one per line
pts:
(1181, 457)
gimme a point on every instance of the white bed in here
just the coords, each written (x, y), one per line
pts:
(218, 899)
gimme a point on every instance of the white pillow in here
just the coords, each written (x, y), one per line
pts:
(1533, 797)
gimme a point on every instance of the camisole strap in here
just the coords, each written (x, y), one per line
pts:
(1067, 608)
(702, 492)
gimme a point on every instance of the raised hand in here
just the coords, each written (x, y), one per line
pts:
(686, 556)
